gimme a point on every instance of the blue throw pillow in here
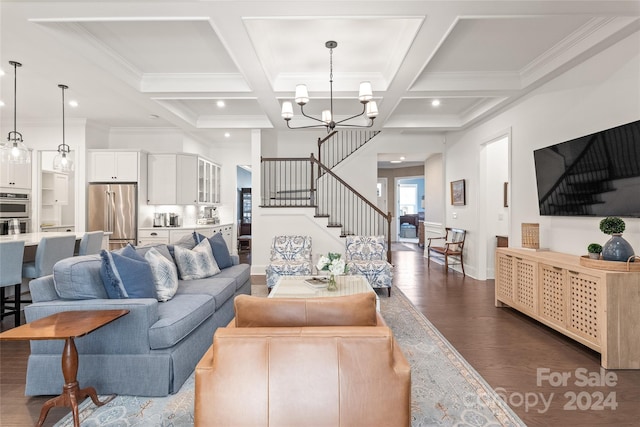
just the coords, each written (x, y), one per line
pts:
(126, 275)
(218, 247)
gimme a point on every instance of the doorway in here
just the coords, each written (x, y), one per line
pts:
(494, 202)
(409, 208)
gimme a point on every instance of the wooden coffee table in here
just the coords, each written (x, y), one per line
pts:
(67, 326)
(295, 287)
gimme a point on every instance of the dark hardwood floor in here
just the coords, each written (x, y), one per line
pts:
(505, 347)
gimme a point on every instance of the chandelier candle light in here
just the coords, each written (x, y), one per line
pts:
(365, 96)
(62, 162)
(14, 150)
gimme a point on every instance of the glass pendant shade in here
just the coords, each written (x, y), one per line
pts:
(62, 162)
(366, 92)
(287, 110)
(302, 94)
(14, 150)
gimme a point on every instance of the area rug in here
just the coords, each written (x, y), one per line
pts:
(445, 389)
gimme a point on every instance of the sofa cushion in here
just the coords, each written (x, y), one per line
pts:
(351, 310)
(165, 274)
(221, 289)
(196, 263)
(79, 278)
(126, 275)
(162, 249)
(178, 318)
(240, 272)
(218, 247)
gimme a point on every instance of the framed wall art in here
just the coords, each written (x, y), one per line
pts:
(458, 193)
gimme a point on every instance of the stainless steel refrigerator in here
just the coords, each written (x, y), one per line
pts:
(114, 208)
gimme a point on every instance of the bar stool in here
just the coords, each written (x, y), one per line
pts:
(91, 243)
(50, 250)
(11, 256)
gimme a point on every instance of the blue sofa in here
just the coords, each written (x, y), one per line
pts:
(149, 352)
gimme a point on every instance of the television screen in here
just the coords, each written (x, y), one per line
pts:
(594, 175)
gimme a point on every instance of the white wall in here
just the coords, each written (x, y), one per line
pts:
(434, 196)
(599, 94)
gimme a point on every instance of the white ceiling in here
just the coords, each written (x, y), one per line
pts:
(126, 62)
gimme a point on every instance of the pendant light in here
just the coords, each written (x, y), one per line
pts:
(14, 150)
(62, 162)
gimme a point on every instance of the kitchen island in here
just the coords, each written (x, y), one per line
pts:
(170, 235)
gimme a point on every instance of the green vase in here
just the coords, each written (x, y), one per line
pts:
(333, 286)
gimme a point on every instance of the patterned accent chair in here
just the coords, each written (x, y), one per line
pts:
(367, 255)
(290, 256)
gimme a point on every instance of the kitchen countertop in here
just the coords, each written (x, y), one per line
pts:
(33, 239)
(188, 227)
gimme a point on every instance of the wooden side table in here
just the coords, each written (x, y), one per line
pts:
(421, 234)
(67, 325)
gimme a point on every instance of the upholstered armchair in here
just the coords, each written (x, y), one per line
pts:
(367, 255)
(301, 362)
(290, 256)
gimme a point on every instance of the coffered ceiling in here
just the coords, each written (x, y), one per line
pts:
(168, 63)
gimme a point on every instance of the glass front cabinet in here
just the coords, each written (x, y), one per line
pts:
(208, 182)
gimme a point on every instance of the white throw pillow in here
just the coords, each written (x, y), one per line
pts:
(197, 263)
(165, 274)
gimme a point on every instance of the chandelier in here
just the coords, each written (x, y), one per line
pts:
(62, 162)
(14, 150)
(327, 120)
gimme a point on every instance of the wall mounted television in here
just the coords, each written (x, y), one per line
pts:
(594, 175)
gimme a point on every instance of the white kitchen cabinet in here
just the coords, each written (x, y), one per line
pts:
(55, 188)
(187, 179)
(152, 236)
(114, 166)
(14, 175)
(161, 182)
(208, 182)
(173, 179)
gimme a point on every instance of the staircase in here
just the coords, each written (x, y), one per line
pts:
(310, 182)
(592, 174)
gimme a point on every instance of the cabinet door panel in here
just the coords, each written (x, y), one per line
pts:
(526, 296)
(553, 294)
(504, 278)
(126, 166)
(102, 166)
(161, 182)
(584, 317)
(187, 180)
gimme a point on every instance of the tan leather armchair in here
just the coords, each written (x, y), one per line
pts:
(304, 362)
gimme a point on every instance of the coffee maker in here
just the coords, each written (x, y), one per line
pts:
(159, 219)
(174, 220)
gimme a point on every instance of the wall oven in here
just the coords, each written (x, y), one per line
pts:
(15, 205)
(24, 226)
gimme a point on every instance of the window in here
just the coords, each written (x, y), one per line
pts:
(408, 198)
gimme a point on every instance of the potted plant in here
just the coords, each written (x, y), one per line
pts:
(616, 248)
(594, 250)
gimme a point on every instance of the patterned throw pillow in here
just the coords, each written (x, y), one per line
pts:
(197, 263)
(125, 274)
(218, 247)
(165, 274)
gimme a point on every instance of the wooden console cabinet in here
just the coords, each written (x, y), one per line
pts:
(598, 308)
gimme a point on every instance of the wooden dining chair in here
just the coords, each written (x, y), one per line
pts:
(452, 247)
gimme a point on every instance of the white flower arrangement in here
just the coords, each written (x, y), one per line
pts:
(332, 263)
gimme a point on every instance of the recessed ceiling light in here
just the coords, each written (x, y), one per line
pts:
(227, 134)
(435, 103)
(220, 104)
(1, 104)
(401, 157)
(73, 103)
(395, 161)
(1, 72)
